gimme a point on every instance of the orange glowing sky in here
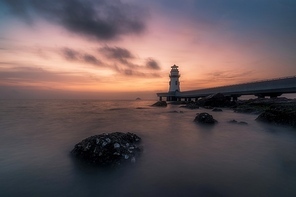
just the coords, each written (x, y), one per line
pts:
(124, 49)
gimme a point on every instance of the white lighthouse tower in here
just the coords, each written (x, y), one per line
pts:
(174, 79)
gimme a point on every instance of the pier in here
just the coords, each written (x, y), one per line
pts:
(272, 88)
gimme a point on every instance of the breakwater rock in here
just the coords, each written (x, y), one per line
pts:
(237, 122)
(160, 104)
(108, 149)
(217, 110)
(257, 106)
(279, 114)
(191, 105)
(205, 118)
(215, 100)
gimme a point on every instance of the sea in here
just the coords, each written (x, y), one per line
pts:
(179, 157)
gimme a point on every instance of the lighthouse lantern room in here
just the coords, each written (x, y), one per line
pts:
(174, 79)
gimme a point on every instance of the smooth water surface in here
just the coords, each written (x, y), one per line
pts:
(180, 157)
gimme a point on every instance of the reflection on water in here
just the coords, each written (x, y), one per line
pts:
(180, 157)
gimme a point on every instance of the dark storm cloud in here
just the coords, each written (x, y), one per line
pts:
(103, 19)
(152, 64)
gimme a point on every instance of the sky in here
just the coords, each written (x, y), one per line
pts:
(123, 49)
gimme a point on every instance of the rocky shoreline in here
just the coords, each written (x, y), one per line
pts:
(279, 111)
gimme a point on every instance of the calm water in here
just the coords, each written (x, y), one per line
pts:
(180, 157)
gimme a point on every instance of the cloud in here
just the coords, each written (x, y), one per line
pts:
(116, 52)
(91, 59)
(70, 54)
(134, 72)
(126, 58)
(152, 64)
(102, 20)
(19, 74)
(119, 54)
(228, 75)
(220, 78)
(118, 59)
(74, 55)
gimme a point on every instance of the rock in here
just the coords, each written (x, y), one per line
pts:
(236, 122)
(205, 118)
(233, 121)
(215, 100)
(138, 99)
(191, 105)
(108, 149)
(160, 104)
(217, 110)
(249, 109)
(259, 105)
(208, 107)
(280, 116)
(175, 111)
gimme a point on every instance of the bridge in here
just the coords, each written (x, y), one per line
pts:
(272, 88)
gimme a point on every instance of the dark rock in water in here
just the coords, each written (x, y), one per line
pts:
(259, 105)
(233, 121)
(160, 104)
(191, 105)
(236, 122)
(208, 107)
(279, 116)
(249, 109)
(205, 118)
(215, 100)
(175, 111)
(108, 149)
(217, 110)
(138, 99)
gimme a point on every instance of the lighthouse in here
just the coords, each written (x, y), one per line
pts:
(174, 79)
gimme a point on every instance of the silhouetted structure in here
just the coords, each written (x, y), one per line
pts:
(272, 88)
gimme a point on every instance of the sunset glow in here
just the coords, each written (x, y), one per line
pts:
(124, 49)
